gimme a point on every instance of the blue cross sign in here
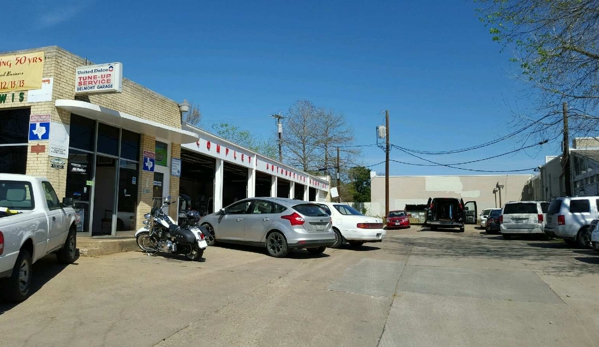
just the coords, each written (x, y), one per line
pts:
(149, 164)
(39, 131)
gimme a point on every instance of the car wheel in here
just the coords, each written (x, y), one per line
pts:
(210, 239)
(507, 237)
(338, 239)
(315, 251)
(462, 230)
(276, 245)
(584, 238)
(356, 244)
(19, 283)
(67, 254)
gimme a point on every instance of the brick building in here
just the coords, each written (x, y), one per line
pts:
(109, 133)
(94, 146)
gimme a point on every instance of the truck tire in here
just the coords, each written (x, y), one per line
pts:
(584, 238)
(19, 282)
(67, 254)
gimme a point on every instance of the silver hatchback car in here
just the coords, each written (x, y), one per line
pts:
(277, 223)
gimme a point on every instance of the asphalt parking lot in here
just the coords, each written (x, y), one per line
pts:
(417, 288)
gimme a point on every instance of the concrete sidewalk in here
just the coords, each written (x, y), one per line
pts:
(93, 246)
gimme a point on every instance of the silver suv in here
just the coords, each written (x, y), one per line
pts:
(570, 218)
(521, 217)
(277, 223)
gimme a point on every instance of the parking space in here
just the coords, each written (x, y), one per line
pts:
(417, 288)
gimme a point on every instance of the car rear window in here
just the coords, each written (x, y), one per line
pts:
(555, 206)
(520, 208)
(495, 213)
(16, 195)
(545, 207)
(580, 206)
(310, 210)
(347, 210)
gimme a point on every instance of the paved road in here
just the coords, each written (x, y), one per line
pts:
(418, 288)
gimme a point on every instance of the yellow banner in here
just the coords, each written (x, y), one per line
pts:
(21, 72)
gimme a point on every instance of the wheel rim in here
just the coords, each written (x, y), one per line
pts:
(275, 243)
(586, 237)
(72, 246)
(24, 276)
(192, 255)
(146, 242)
(209, 238)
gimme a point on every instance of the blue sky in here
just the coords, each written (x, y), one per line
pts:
(432, 64)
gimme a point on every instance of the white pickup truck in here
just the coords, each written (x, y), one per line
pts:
(33, 223)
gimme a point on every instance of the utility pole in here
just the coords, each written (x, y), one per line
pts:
(338, 178)
(566, 155)
(278, 117)
(387, 164)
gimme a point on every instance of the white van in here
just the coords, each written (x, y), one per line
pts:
(569, 219)
(521, 217)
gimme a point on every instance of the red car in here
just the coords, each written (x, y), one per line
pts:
(398, 219)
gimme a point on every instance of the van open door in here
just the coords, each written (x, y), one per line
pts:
(470, 211)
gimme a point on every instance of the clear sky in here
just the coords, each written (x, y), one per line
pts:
(432, 64)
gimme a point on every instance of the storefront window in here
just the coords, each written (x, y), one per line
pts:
(130, 145)
(108, 139)
(13, 159)
(14, 130)
(83, 133)
(161, 154)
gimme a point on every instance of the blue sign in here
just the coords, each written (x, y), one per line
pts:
(149, 164)
(39, 131)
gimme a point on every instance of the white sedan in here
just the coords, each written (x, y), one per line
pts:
(353, 227)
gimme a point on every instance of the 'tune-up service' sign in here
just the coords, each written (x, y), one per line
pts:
(95, 79)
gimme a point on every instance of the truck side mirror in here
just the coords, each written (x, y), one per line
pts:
(67, 201)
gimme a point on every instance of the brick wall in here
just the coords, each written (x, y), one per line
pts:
(135, 100)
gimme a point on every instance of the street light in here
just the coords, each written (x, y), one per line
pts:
(183, 108)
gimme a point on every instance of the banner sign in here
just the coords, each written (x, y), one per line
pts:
(21, 71)
(96, 79)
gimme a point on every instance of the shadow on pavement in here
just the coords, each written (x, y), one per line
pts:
(294, 254)
(440, 230)
(43, 271)
(362, 248)
(551, 257)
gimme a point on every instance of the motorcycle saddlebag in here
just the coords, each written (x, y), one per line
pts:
(185, 236)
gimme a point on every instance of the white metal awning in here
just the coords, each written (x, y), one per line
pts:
(127, 121)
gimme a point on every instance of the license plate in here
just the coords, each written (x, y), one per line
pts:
(320, 227)
(396, 223)
(202, 244)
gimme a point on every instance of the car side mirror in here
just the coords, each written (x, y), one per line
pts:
(67, 201)
(221, 212)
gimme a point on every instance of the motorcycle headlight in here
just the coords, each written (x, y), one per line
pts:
(147, 216)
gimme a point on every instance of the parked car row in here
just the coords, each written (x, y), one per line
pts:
(281, 225)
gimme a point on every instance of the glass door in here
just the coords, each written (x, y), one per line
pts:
(127, 196)
(79, 186)
(104, 202)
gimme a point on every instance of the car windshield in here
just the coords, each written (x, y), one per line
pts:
(495, 213)
(397, 214)
(520, 208)
(486, 212)
(347, 210)
(310, 210)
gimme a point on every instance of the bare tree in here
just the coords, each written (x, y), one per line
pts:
(300, 139)
(194, 115)
(334, 132)
(555, 47)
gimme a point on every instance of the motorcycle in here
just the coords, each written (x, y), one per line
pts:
(162, 234)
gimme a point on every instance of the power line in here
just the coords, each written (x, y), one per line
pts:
(482, 145)
(476, 160)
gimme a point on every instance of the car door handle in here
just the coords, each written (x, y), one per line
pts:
(239, 219)
(54, 219)
(265, 219)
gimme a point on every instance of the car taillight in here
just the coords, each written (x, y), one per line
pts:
(1, 243)
(294, 219)
(369, 225)
(501, 219)
(540, 218)
(561, 220)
